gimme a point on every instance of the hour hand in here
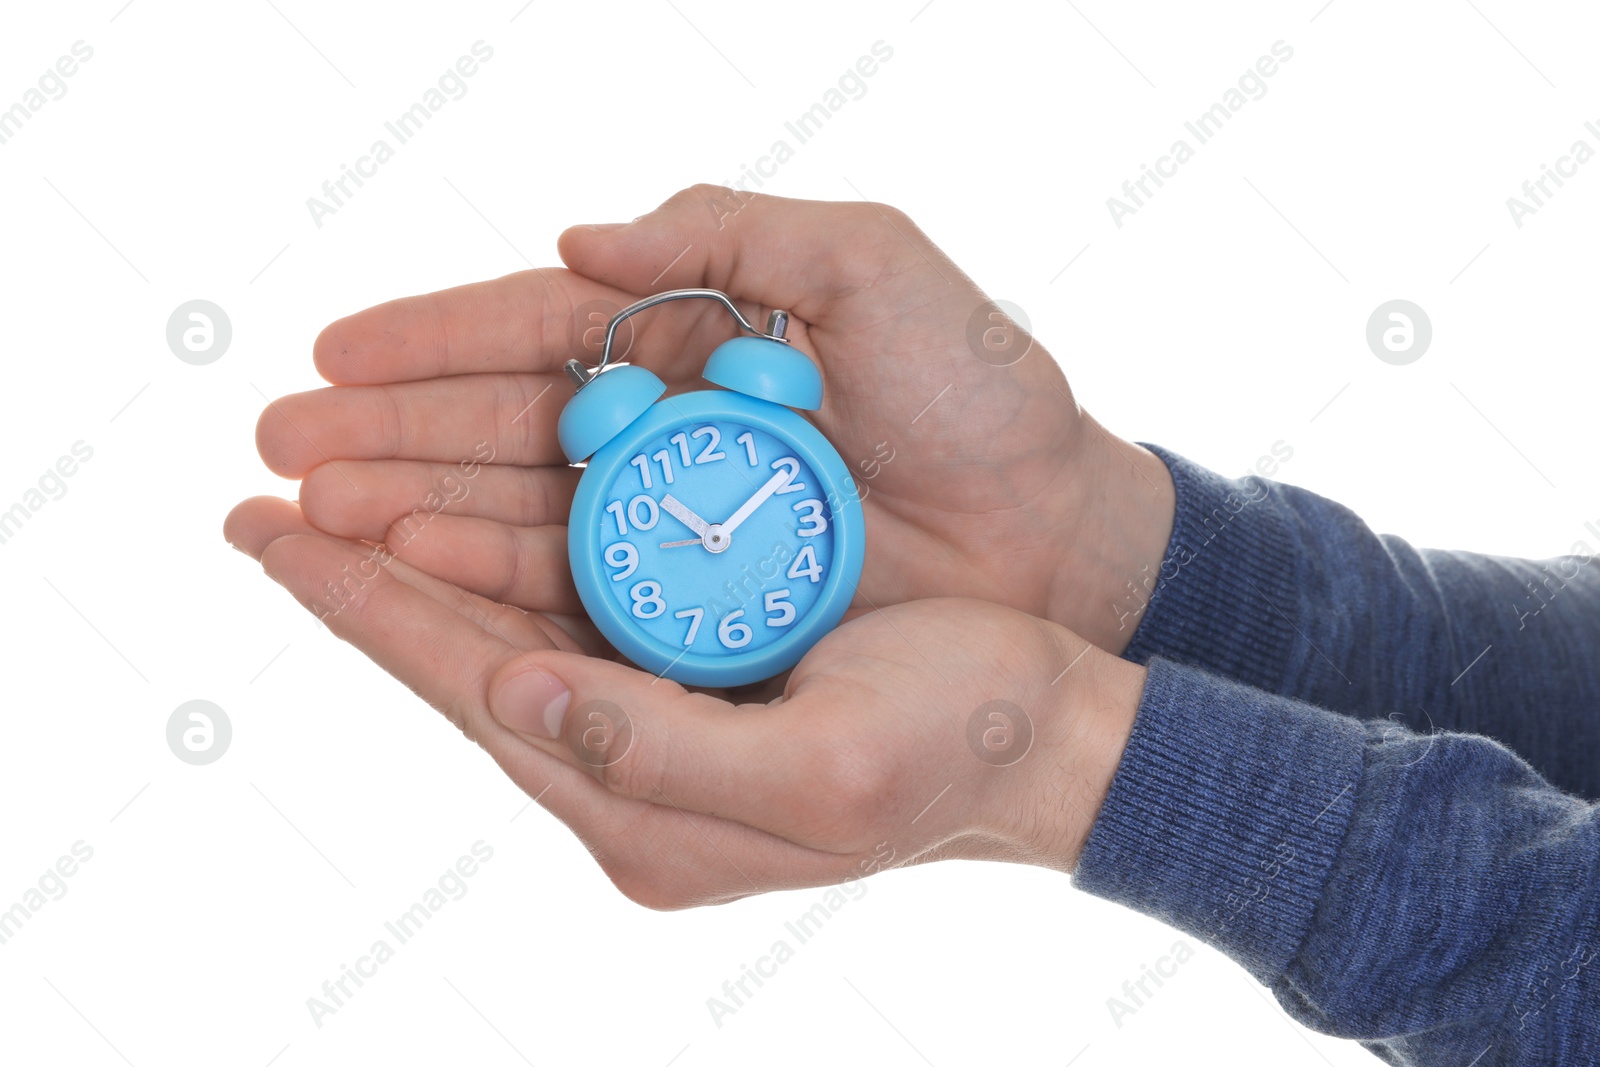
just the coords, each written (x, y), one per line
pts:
(674, 507)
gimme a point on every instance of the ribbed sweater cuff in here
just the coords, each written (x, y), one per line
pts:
(1227, 589)
(1226, 814)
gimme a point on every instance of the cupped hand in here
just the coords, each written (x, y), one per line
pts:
(980, 474)
(929, 730)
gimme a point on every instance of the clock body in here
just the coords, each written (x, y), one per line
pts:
(746, 606)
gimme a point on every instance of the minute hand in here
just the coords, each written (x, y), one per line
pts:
(748, 508)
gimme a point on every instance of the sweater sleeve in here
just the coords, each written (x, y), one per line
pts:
(1428, 895)
(1290, 592)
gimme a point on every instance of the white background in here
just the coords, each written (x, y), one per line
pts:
(1226, 315)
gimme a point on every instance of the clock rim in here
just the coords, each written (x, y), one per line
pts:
(845, 518)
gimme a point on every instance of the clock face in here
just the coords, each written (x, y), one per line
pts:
(715, 538)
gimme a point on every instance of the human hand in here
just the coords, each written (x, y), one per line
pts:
(868, 760)
(979, 480)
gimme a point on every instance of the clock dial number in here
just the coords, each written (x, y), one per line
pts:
(665, 459)
(647, 602)
(734, 634)
(644, 468)
(777, 601)
(792, 465)
(652, 514)
(642, 510)
(749, 441)
(623, 556)
(709, 454)
(815, 522)
(694, 615)
(805, 565)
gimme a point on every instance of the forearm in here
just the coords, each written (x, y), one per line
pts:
(1290, 592)
(1349, 865)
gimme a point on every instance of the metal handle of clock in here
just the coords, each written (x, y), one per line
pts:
(581, 375)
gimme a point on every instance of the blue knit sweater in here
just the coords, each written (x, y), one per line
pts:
(1368, 773)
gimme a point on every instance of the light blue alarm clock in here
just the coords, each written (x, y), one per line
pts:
(715, 536)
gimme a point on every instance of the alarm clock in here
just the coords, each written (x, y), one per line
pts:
(716, 535)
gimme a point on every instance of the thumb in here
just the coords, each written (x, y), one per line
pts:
(801, 255)
(650, 739)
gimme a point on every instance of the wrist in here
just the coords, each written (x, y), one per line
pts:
(1089, 716)
(1115, 535)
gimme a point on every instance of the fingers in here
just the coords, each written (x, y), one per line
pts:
(521, 565)
(522, 322)
(517, 555)
(255, 523)
(769, 767)
(795, 254)
(440, 653)
(801, 255)
(659, 855)
(361, 498)
(260, 521)
(469, 420)
(436, 650)
(431, 377)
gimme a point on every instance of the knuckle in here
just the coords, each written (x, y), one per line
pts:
(515, 566)
(617, 762)
(645, 885)
(879, 240)
(711, 206)
(699, 194)
(456, 712)
(631, 776)
(886, 213)
(647, 893)
(540, 504)
(513, 396)
(846, 805)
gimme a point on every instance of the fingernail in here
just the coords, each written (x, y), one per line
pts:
(606, 227)
(533, 702)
